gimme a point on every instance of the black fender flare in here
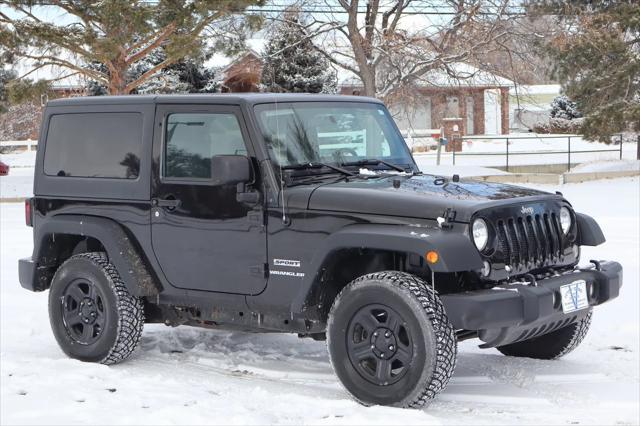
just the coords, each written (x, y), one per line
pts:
(121, 251)
(589, 232)
(456, 252)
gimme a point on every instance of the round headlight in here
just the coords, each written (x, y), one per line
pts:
(480, 233)
(565, 219)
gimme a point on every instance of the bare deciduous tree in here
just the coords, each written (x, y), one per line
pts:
(390, 44)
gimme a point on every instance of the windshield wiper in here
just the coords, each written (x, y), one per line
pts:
(304, 166)
(374, 162)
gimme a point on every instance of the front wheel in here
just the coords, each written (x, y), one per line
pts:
(93, 316)
(553, 345)
(390, 341)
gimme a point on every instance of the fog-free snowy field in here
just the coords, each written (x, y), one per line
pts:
(192, 376)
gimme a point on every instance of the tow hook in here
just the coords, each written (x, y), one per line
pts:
(596, 264)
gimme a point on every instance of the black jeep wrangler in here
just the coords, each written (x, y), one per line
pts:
(302, 214)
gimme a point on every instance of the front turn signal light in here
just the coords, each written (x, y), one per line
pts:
(432, 256)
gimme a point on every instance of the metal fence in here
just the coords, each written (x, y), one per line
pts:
(507, 153)
(30, 145)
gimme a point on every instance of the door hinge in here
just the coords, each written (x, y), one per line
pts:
(261, 270)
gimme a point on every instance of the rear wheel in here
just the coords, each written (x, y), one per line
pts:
(390, 341)
(92, 314)
(553, 345)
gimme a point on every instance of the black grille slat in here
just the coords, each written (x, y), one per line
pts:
(555, 238)
(531, 241)
(538, 245)
(525, 242)
(544, 238)
(510, 259)
(558, 232)
(512, 236)
(504, 245)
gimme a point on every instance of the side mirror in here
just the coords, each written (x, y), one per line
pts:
(230, 169)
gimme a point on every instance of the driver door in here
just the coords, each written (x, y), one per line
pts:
(202, 237)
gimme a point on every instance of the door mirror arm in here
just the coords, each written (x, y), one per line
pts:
(250, 197)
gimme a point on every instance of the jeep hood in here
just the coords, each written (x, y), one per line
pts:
(419, 196)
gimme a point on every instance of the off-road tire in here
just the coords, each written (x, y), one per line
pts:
(553, 345)
(123, 313)
(433, 339)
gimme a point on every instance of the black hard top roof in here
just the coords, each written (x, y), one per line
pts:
(222, 98)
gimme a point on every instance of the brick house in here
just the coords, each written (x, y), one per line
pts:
(477, 102)
(243, 74)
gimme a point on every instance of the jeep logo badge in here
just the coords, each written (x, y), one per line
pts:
(527, 210)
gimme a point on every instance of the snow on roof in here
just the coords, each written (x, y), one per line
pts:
(220, 60)
(536, 89)
(461, 75)
(535, 97)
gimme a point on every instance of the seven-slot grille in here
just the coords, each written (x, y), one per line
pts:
(529, 241)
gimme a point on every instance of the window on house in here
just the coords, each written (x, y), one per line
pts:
(453, 107)
(413, 117)
(470, 115)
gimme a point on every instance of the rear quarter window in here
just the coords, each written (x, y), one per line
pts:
(106, 145)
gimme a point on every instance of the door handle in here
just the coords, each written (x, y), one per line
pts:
(169, 203)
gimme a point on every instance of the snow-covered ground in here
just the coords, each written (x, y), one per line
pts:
(607, 166)
(192, 376)
(19, 159)
(19, 183)
(548, 150)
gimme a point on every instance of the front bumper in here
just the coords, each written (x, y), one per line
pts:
(514, 312)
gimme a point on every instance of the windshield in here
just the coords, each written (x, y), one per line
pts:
(336, 133)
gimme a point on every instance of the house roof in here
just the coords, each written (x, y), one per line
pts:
(460, 75)
(238, 58)
(254, 46)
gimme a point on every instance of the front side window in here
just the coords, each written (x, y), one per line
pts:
(330, 132)
(191, 140)
(103, 145)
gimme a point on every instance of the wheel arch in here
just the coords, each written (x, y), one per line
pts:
(372, 248)
(589, 231)
(59, 237)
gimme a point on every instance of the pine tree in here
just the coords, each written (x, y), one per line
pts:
(564, 108)
(596, 56)
(6, 75)
(119, 34)
(185, 76)
(292, 63)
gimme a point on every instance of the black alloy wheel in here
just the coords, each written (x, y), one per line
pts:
(379, 344)
(83, 310)
(93, 316)
(390, 341)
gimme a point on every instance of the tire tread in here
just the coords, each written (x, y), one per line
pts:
(446, 341)
(553, 345)
(130, 309)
